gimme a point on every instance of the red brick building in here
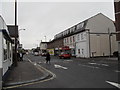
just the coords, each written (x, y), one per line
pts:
(55, 44)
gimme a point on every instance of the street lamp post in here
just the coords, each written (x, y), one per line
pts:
(109, 42)
(15, 33)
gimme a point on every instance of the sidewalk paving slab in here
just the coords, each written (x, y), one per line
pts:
(24, 73)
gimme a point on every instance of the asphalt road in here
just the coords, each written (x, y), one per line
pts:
(77, 73)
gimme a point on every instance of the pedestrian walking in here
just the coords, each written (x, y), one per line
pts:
(48, 58)
(21, 56)
(18, 56)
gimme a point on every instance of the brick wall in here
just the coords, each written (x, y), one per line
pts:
(117, 18)
(55, 43)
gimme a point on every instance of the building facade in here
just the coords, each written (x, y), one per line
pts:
(5, 50)
(97, 38)
(55, 45)
(43, 47)
(117, 23)
(71, 43)
(90, 38)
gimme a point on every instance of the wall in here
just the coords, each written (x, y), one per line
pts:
(99, 43)
(117, 18)
(4, 63)
(43, 46)
(100, 23)
(82, 45)
(55, 44)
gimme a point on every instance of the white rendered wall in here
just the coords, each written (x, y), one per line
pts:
(82, 44)
(99, 43)
(100, 23)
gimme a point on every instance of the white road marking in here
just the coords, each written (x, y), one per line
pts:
(88, 66)
(117, 71)
(35, 64)
(104, 64)
(68, 60)
(39, 62)
(58, 66)
(99, 64)
(92, 63)
(114, 84)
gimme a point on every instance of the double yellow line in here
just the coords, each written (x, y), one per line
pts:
(31, 83)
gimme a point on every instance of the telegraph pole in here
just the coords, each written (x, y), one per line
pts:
(109, 41)
(15, 63)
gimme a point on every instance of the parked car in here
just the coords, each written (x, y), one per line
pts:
(65, 52)
(115, 53)
(65, 56)
(36, 53)
(43, 54)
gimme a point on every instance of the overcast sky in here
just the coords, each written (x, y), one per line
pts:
(49, 18)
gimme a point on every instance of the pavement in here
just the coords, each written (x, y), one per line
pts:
(26, 72)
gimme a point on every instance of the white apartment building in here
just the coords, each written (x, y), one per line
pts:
(92, 37)
(97, 39)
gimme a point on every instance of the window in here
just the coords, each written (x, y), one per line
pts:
(82, 36)
(73, 39)
(10, 54)
(5, 48)
(8, 49)
(78, 37)
(73, 29)
(70, 30)
(67, 31)
(78, 51)
(80, 25)
(82, 51)
(70, 39)
(67, 40)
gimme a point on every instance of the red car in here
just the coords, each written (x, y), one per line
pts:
(64, 55)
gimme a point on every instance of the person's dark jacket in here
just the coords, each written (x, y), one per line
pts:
(48, 56)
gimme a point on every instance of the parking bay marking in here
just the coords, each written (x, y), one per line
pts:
(114, 84)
